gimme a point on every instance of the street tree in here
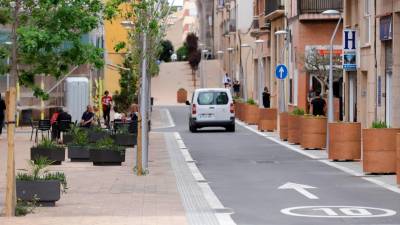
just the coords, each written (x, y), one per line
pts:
(49, 37)
(167, 49)
(317, 65)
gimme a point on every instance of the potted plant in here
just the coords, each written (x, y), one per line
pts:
(379, 148)
(344, 141)
(50, 150)
(313, 132)
(123, 137)
(283, 125)
(40, 185)
(238, 107)
(96, 133)
(68, 136)
(294, 125)
(78, 149)
(181, 95)
(398, 157)
(267, 119)
(251, 112)
(106, 152)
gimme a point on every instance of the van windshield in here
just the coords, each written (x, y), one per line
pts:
(213, 98)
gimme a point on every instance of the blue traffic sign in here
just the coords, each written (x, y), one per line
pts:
(281, 71)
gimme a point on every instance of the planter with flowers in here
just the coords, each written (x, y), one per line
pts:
(344, 141)
(267, 119)
(251, 112)
(294, 125)
(313, 132)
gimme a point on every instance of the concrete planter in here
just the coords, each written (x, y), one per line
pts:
(128, 140)
(46, 191)
(313, 132)
(181, 95)
(398, 157)
(344, 141)
(294, 129)
(106, 157)
(57, 155)
(78, 153)
(283, 125)
(251, 114)
(94, 136)
(379, 150)
(267, 120)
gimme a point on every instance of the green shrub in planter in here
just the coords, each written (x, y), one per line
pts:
(123, 137)
(69, 136)
(40, 185)
(298, 112)
(251, 101)
(379, 125)
(96, 133)
(50, 150)
(78, 149)
(106, 152)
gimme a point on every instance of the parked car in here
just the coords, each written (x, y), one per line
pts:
(211, 107)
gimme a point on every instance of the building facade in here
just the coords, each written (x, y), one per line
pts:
(372, 89)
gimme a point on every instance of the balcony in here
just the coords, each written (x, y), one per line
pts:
(274, 9)
(255, 29)
(232, 25)
(318, 6)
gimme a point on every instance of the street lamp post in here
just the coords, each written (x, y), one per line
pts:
(220, 54)
(203, 75)
(282, 107)
(330, 84)
(245, 75)
(260, 78)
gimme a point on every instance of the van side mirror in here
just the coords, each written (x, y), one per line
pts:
(187, 103)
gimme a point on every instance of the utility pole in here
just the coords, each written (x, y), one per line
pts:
(10, 201)
(144, 104)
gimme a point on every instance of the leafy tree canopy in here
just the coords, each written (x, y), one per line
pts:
(49, 37)
(167, 49)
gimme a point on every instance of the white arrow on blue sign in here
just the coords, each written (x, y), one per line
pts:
(281, 71)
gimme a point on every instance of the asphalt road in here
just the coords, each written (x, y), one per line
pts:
(245, 171)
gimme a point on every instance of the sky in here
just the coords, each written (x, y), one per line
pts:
(177, 2)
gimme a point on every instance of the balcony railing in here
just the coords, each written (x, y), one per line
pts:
(318, 6)
(273, 5)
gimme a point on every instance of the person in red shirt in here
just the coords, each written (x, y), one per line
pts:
(106, 101)
(53, 123)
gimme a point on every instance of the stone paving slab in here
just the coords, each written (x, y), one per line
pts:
(106, 195)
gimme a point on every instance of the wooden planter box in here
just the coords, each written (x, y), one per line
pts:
(181, 96)
(106, 157)
(344, 141)
(55, 155)
(313, 132)
(294, 129)
(238, 110)
(128, 140)
(78, 153)
(379, 150)
(267, 120)
(46, 191)
(398, 157)
(251, 114)
(283, 125)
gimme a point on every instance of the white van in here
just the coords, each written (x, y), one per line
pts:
(211, 107)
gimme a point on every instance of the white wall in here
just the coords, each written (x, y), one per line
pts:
(244, 14)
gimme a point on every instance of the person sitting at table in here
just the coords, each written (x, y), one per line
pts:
(87, 117)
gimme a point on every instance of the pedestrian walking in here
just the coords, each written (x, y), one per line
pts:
(236, 88)
(266, 98)
(318, 105)
(2, 114)
(106, 101)
(87, 117)
(226, 81)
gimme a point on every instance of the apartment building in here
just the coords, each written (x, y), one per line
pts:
(372, 88)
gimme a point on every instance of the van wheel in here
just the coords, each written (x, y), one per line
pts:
(231, 128)
(192, 129)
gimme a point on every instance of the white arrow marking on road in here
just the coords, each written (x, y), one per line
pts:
(281, 71)
(301, 188)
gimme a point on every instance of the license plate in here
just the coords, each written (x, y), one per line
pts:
(206, 116)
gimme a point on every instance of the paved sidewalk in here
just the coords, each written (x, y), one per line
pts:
(106, 195)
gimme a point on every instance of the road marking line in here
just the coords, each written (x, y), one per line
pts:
(301, 188)
(327, 162)
(170, 120)
(287, 145)
(209, 195)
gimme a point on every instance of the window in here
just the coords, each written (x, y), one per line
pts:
(367, 21)
(213, 98)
